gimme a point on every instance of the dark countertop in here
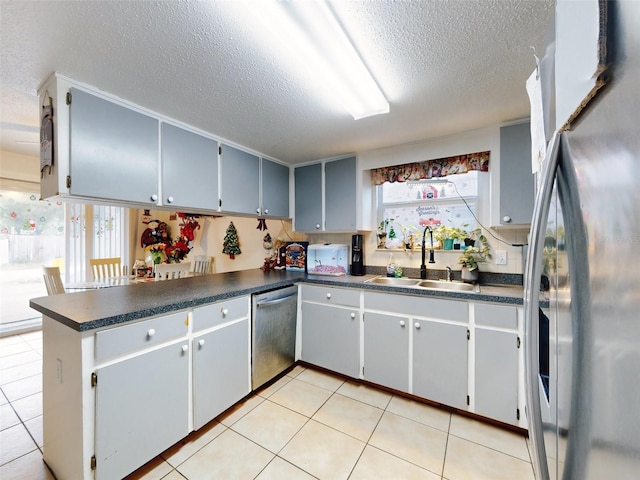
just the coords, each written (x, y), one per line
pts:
(92, 309)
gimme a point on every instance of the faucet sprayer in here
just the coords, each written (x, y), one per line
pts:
(423, 266)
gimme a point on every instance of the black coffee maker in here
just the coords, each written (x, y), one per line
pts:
(357, 255)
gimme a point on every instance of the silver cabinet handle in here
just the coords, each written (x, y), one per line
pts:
(317, 226)
(402, 323)
(353, 315)
(201, 342)
(151, 332)
(329, 296)
(185, 348)
(417, 325)
(224, 311)
(154, 198)
(169, 199)
(258, 211)
(266, 211)
(506, 219)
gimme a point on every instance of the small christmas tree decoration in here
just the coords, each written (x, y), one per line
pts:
(231, 244)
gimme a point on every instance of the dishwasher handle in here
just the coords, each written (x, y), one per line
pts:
(268, 303)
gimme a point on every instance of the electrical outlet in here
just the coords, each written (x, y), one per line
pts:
(501, 257)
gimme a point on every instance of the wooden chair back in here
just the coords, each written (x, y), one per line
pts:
(53, 280)
(102, 268)
(203, 264)
(169, 271)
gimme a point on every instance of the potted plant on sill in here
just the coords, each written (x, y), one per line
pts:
(447, 235)
(470, 258)
(474, 236)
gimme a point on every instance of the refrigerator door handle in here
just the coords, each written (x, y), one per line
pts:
(531, 304)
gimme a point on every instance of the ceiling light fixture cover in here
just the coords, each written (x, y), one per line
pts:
(313, 33)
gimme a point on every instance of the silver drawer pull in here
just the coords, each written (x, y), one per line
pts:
(224, 311)
(151, 332)
(402, 323)
(329, 295)
(417, 325)
(185, 348)
(201, 342)
(353, 315)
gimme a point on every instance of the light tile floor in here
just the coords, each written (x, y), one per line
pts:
(306, 425)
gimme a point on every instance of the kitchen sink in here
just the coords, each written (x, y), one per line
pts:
(392, 281)
(428, 284)
(444, 285)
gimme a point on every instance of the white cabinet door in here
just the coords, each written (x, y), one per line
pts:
(114, 151)
(221, 370)
(239, 181)
(189, 169)
(386, 350)
(440, 362)
(142, 408)
(496, 375)
(331, 338)
(275, 189)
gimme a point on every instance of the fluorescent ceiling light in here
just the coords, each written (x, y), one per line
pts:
(313, 33)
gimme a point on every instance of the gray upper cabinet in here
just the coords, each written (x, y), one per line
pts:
(308, 198)
(275, 189)
(340, 195)
(516, 180)
(240, 181)
(189, 169)
(114, 151)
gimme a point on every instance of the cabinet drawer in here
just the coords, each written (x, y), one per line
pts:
(331, 296)
(129, 338)
(417, 306)
(220, 312)
(501, 316)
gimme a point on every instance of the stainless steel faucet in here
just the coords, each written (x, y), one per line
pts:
(448, 273)
(423, 266)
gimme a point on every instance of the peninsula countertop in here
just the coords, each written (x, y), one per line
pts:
(93, 309)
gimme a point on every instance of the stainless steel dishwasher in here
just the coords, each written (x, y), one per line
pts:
(273, 333)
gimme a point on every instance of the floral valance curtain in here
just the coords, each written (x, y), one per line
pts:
(440, 167)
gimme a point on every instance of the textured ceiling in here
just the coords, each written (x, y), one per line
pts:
(444, 66)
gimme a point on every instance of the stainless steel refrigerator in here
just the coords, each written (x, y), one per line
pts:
(582, 276)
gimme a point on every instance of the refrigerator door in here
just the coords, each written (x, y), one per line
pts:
(532, 276)
(594, 432)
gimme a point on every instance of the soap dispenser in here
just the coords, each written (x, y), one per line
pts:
(391, 267)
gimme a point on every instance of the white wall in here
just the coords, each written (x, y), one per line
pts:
(19, 171)
(465, 142)
(210, 236)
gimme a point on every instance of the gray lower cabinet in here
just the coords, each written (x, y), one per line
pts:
(239, 181)
(220, 370)
(189, 169)
(440, 362)
(496, 375)
(331, 338)
(386, 350)
(142, 407)
(113, 151)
